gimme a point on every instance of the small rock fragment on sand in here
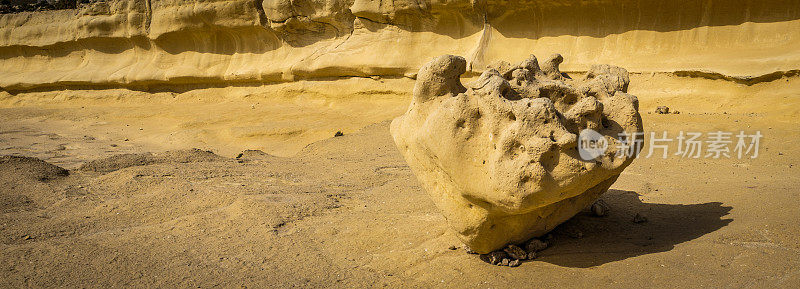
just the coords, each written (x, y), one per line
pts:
(662, 110)
(535, 245)
(513, 255)
(515, 252)
(495, 258)
(639, 218)
(469, 251)
(600, 208)
(452, 248)
(338, 133)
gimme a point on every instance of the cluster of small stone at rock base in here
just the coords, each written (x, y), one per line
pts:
(513, 255)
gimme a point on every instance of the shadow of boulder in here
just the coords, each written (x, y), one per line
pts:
(617, 237)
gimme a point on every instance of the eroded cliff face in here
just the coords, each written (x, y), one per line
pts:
(122, 43)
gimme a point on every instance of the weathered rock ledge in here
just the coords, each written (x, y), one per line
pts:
(121, 43)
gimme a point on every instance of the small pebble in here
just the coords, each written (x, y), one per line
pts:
(495, 257)
(535, 245)
(600, 208)
(515, 252)
(469, 251)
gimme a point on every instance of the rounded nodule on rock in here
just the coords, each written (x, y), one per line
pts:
(440, 77)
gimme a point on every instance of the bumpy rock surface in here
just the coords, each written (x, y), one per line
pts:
(499, 157)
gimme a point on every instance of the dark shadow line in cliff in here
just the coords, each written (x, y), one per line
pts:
(746, 80)
(252, 40)
(456, 25)
(616, 237)
(107, 45)
(227, 41)
(182, 86)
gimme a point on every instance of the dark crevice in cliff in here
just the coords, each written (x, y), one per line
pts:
(746, 80)
(148, 16)
(376, 22)
(327, 74)
(106, 45)
(219, 41)
(223, 41)
(262, 15)
(185, 85)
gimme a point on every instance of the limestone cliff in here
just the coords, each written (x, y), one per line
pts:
(123, 43)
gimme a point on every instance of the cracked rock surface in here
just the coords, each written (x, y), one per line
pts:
(499, 156)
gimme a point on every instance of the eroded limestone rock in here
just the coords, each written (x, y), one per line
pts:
(499, 157)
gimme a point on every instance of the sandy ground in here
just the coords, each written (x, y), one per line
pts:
(346, 211)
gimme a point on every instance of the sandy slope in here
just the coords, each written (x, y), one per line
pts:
(347, 211)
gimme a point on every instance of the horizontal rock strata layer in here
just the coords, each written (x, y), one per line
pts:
(121, 43)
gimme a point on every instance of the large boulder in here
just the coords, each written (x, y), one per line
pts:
(500, 156)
